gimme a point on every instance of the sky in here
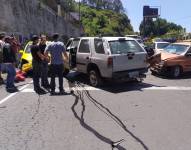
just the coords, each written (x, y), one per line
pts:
(176, 11)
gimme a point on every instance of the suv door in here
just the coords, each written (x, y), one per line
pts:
(72, 50)
(83, 55)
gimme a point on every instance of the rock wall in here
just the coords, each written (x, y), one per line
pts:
(28, 17)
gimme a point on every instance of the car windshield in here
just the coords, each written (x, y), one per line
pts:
(162, 45)
(124, 46)
(176, 48)
(28, 48)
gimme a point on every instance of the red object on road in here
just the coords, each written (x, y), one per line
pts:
(20, 76)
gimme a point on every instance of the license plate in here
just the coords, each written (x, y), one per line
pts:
(133, 74)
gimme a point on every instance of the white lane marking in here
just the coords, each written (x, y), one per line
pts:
(13, 94)
(89, 88)
(169, 88)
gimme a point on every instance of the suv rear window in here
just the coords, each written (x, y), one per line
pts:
(124, 46)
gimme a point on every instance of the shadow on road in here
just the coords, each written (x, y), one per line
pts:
(186, 75)
(80, 96)
(112, 86)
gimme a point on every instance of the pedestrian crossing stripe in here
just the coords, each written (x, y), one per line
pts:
(89, 88)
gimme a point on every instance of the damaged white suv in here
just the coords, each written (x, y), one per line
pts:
(107, 58)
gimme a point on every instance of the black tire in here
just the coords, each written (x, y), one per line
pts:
(175, 71)
(95, 78)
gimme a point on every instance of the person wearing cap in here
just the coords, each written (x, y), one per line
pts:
(56, 50)
(8, 65)
(38, 57)
(2, 38)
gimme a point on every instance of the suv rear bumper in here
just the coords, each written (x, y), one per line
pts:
(135, 73)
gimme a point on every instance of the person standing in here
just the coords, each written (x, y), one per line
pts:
(8, 65)
(2, 37)
(44, 77)
(56, 50)
(37, 64)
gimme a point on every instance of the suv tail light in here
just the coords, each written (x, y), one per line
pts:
(110, 62)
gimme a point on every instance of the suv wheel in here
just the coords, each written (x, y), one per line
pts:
(176, 71)
(95, 78)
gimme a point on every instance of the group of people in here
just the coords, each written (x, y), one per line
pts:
(8, 59)
(42, 54)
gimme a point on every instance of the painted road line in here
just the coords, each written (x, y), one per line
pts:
(89, 88)
(13, 94)
(169, 88)
(67, 89)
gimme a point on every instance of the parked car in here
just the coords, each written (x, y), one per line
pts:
(107, 58)
(175, 60)
(159, 46)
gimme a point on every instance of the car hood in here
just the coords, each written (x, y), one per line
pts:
(167, 56)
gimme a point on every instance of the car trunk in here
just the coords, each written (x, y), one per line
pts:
(130, 61)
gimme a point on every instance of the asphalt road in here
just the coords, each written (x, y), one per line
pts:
(153, 115)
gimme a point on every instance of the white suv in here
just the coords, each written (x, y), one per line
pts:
(107, 57)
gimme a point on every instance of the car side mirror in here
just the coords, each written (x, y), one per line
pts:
(21, 52)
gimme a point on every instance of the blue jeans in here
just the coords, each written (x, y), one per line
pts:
(11, 73)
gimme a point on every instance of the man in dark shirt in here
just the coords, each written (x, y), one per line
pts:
(37, 64)
(44, 77)
(8, 66)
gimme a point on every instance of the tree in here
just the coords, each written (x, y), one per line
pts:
(158, 27)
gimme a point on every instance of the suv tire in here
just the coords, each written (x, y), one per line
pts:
(95, 78)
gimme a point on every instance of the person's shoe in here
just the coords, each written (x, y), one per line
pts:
(40, 91)
(62, 92)
(52, 92)
(12, 89)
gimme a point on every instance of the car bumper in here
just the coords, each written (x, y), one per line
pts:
(159, 69)
(130, 74)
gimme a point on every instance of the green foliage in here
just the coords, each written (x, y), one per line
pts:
(105, 22)
(159, 27)
(115, 5)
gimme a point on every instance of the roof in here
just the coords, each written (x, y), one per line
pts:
(110, 38)
(161, 42)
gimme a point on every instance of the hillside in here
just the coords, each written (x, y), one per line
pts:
(107, 22)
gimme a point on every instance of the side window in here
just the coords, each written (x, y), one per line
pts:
(84, 46)
(98, 43)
